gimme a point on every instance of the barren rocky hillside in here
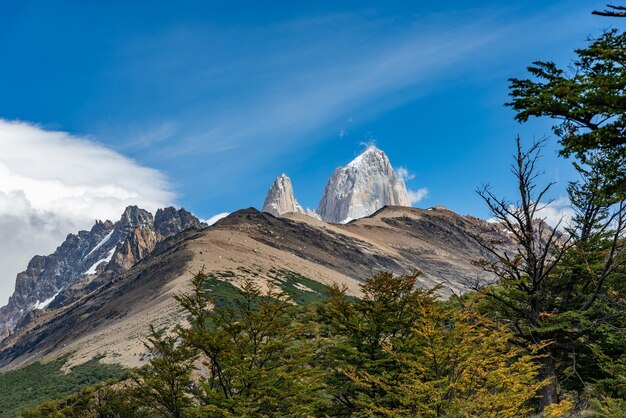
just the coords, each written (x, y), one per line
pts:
(297, 252)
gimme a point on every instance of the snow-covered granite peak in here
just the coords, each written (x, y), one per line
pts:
(280, 198)
(359, 189)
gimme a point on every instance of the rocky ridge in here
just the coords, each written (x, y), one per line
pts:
(112, 320)
(88, 259)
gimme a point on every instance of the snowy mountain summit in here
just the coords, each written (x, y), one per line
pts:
(359, 189)
(280, 198)
(367, 184)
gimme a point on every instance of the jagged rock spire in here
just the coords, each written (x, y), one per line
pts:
(280, 198)
(169, 221)
(359, 189)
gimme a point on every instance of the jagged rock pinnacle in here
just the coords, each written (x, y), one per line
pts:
(359, 189)
(280, 198)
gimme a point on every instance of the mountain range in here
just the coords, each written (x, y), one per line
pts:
(363, 186)
(88, 259)
(296, 252)
(97, 293)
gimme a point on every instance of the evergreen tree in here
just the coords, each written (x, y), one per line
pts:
(165, 383)
(258, 356)
(588, 100)
(579, 302)
(360, 329)
(565, 286)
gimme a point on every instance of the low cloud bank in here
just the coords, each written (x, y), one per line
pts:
(53, 183)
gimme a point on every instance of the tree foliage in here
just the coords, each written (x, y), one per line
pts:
(163, 385)
(256, 355)
(588, 100)
(562, 287)
(454, 362)
(394, 351)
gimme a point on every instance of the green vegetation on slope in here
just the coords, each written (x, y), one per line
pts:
(222, 293)
(302, 290)
(396, 351)
(40, 382)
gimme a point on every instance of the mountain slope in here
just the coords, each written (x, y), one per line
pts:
(293, 252)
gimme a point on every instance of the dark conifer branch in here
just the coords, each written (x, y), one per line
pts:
(615, 11)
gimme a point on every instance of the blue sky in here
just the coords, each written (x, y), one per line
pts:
(223, 98)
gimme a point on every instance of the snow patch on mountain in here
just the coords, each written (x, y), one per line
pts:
(101, 243)
(94, 267)
(45, 303)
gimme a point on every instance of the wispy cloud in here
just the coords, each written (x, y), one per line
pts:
(404, 173)
(305, 75)
(142, 138)
(416, 196)
(256, 93)
(307, 99)
(369, 141)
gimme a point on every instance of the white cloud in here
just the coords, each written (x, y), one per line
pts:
(216, 218)
(370, 142)
(415, 196)
(558, 212)
(53, 183)
(404, 173)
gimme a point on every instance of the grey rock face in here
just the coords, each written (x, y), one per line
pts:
(169, 221)
(89, 259)
(280, 198)
(134, 216)
(46, 276)
(364, 186)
